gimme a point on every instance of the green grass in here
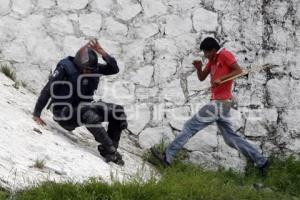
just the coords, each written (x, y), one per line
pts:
(184, 181)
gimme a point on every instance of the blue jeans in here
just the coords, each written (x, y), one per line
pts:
(219, 112)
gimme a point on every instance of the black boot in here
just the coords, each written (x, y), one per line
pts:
(111, 155)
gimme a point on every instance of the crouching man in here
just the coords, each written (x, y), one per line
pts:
(71, 88)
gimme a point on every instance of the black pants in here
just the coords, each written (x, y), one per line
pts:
(91, 115)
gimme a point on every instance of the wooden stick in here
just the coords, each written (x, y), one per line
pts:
(245, 72)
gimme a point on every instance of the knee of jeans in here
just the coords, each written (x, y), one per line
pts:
(187, 125)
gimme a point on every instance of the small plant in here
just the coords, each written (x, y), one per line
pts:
(40, 164)
(24, 84)
(7, 71)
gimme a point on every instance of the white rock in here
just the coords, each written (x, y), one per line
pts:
(152, 136)
(34, 77)
(45, 3)
(120, 91)
(278, 89)
(243, 97)
(143, 76)
(205, 20)
(294, 145)
(183, 5)
(41, 54)
(194, 84)
(178, 116)
(291, 119)
(255, 129)
(147, 30)
(205, 140)
(138, 117)
(103, 5)
(115, 28)
(16, 50)
(4, 6)
(158, 114)
(72, 4)
(222, 5)
(295, 94)
(90, 24)
(128, 9)
(165, 47)
(186, 43)
(61, 24)
(72, 44)
(21, 6)
(205, 160)
(230, 24)
(236, 119)
(146, 94)
(134, 53)
(230, 162)
(164, 70)
(172, 28)
(111, 46)
(295, 69)
(259, 120)
(153, 8)
(173, 92)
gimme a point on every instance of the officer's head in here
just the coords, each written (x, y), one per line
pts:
(86, 60)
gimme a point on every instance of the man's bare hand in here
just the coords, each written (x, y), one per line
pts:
(216, 83)
(197, 64)
(94, 44)
(39, 121)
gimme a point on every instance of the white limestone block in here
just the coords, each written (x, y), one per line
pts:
(90, 24)
(205, 20)
(72, 4)
(153, 8)
(152, 136)
(128, 9)
(177, 25)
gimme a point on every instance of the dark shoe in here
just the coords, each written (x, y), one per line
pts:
(264, 169)
(159, 156)
(115, 157)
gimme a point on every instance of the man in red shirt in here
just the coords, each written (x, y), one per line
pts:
(221, 66)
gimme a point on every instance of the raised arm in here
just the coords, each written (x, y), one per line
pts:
(111, 66)
(202, 74)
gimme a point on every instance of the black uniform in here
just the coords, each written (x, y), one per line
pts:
(71, 101)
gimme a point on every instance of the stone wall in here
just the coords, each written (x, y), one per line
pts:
(155, 43)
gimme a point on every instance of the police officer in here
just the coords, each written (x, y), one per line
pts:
(71, 88)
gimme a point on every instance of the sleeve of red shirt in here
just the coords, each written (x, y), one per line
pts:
(228, 58)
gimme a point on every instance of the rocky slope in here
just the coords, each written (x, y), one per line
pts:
(154, 43)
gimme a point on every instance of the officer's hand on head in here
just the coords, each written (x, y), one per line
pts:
(197, 64)
(39, 121)
(94, 44)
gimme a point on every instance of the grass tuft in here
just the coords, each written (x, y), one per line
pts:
(7, 71)
(40, 164)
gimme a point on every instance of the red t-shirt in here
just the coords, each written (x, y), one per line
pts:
(219, 68)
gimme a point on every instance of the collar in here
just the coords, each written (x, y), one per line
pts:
(221, 49)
